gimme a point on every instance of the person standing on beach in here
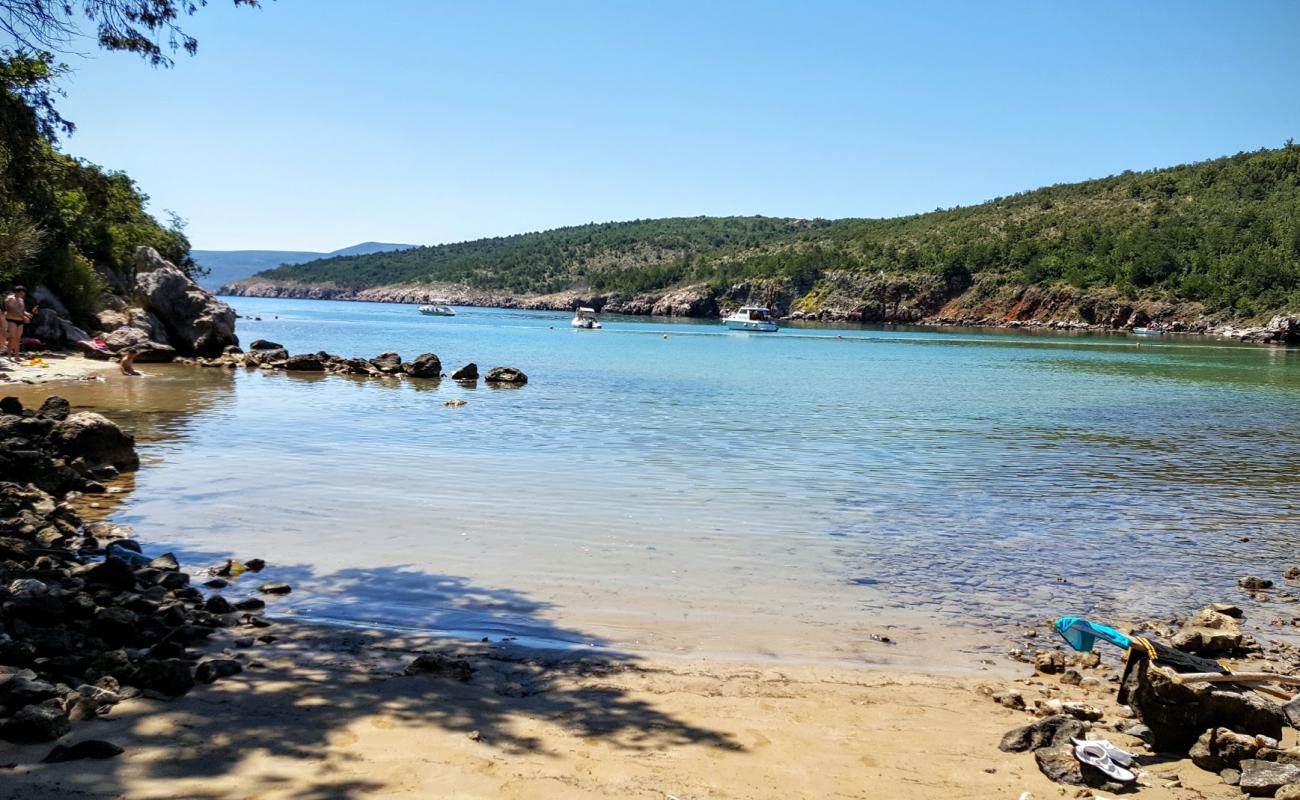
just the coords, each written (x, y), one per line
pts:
(16, 316)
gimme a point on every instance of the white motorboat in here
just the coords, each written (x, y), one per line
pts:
(585, 318)
(750, 318)
(438, 308)
(1149, 331)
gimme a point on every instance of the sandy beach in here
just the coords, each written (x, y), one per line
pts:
(325, 713)
(54, 367)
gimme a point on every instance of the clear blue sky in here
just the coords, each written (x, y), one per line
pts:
(315, 124)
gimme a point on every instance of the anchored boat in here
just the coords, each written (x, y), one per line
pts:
(1149, 331)
(438, 308)
(585, 318)
(750, 318)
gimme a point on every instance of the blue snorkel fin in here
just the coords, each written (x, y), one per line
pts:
(1081, 634)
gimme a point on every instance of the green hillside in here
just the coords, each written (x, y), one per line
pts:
(1225, 233)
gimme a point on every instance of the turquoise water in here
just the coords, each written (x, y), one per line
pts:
(668, 486)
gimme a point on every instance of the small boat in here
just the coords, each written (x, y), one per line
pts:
(585, 318)
(750, 318)
(438, 308)
(1149, 331)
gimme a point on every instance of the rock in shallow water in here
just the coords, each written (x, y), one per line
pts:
(508, 376)
(275, 588)
(425, 365)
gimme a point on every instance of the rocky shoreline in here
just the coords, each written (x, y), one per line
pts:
(843, 297)
(88, 620)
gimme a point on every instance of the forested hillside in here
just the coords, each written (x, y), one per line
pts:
(1223, 233)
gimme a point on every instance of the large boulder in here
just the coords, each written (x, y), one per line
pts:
(467, 373)
(425, 365)
(1178, 714)
(307, 362)
(1265, 778)
(97, 439)
(196, 322)
(36, 723)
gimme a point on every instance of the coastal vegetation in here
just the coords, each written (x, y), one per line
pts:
(1224, 233)
(66, 223)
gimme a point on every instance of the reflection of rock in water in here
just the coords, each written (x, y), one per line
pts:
(159, 406)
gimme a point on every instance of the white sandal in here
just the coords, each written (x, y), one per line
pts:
(1095, 755)
(1121, 757)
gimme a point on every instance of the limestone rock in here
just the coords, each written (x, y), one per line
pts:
(1208, 632)
(1219, 748)
(197, 323)
(1264, 778)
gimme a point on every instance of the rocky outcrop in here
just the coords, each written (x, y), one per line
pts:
(196, 322)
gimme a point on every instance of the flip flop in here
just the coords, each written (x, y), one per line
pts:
(1095, 756)
(1121, 757)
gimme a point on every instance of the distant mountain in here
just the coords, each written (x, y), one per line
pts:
(227, 266)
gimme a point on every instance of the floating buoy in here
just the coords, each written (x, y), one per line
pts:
(665, 336)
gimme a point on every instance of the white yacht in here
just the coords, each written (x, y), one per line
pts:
(438, 308)
(751, 318)
(585, 318)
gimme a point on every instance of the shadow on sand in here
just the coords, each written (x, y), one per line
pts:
(304, 697)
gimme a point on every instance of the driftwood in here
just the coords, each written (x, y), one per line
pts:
(1242, 678)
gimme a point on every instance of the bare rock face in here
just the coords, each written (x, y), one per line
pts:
(691, 301)
(146, 349)
(99, 441)
(196, 322)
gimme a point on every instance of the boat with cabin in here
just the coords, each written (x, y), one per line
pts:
(750, 318)
(438, 308)
(585, 318)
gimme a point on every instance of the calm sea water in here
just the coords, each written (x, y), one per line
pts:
(668, 486)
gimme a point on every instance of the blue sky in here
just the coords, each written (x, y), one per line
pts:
(315, 124)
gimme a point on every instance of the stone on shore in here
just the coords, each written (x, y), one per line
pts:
(94, 438)
(444, 666)
(214, 668)
(508, 376)
(35, 723)
(1178, 714)
(1208, 632)
(87, 748)
(196, 322)
(1265, 778)
(1219, 748)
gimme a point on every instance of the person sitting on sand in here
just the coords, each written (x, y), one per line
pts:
(16, 316)
(127, 362)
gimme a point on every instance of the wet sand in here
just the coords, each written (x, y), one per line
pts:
(54, 368)
(327, 715)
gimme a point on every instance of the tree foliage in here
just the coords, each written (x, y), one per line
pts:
(64, 221)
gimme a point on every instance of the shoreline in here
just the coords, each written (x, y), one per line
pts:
(58, 366)
(1259, 334)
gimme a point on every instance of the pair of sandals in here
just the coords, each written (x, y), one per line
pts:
(1108, 758)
